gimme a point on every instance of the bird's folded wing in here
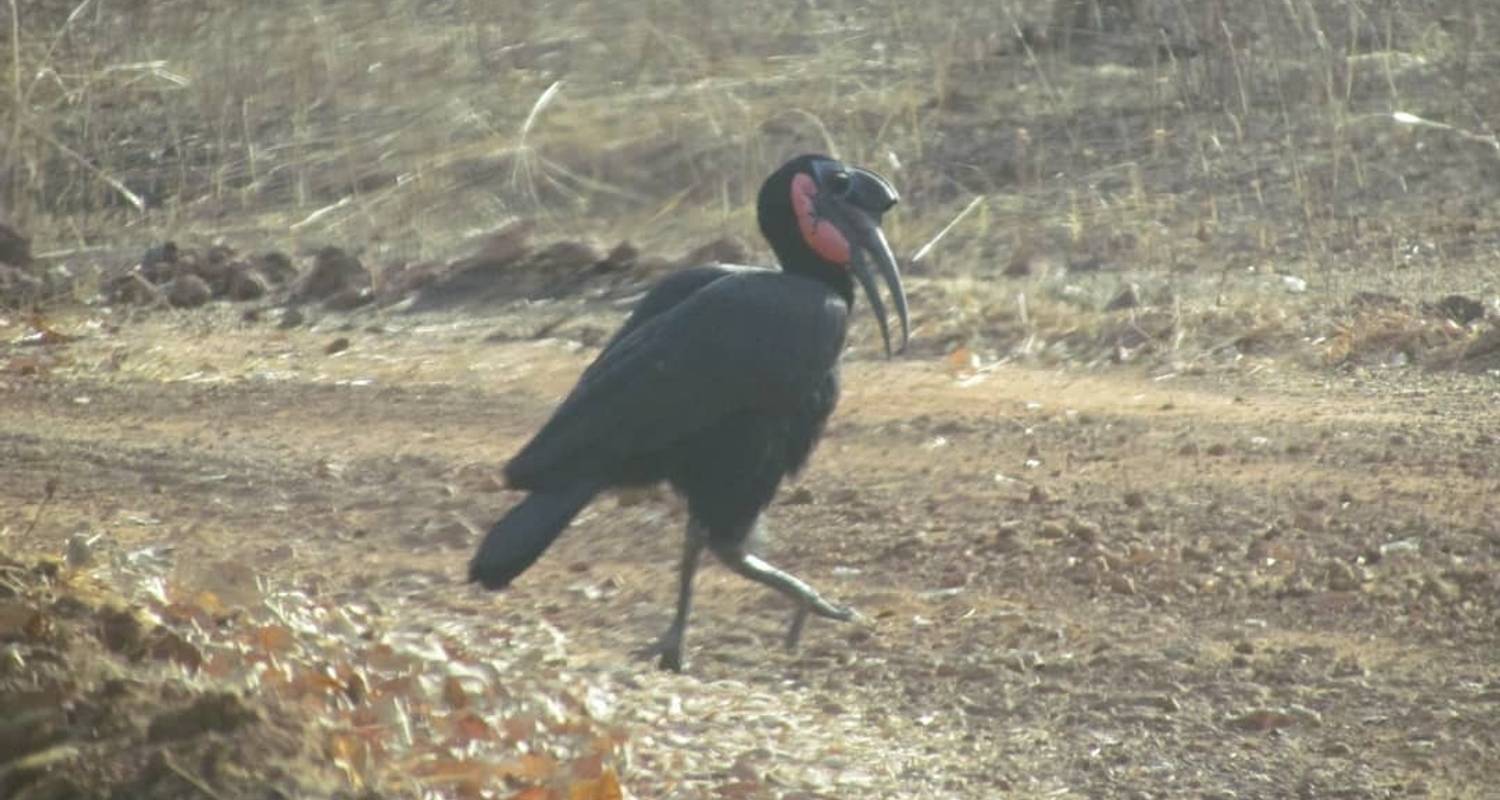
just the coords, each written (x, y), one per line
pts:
(746, 341)
(667, 294)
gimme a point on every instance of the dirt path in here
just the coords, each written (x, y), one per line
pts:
(1075, 585)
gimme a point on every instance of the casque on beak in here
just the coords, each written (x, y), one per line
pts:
(855, 201)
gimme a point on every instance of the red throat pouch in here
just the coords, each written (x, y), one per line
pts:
(821, 235)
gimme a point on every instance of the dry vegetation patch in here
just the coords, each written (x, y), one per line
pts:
(1082, 584)
(204, 682)
(1219, 156)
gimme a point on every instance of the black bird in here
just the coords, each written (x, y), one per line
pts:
(720, 382)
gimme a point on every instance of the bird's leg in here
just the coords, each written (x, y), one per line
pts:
(794, 631)
(806, 597)
(752, 545)
(669, 647)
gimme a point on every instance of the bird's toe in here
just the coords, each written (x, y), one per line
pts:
(667, 651)
(671, 661)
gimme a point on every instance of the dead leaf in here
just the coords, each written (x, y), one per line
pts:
(273, 638)
(450, 770)
(605, 787)
(43, 334)
(316, 682)
(181, 612)
(223, 663)
(961, 360)
(470, 727)
(351, 754)
(519, 728)
(741, 790)
(27, 365)
(454, 694)
(232, 583)
(530, 767)
(209, 602)
(589, 767)
(464, 777)
(356, 688)
(16, 618)
(164, 644)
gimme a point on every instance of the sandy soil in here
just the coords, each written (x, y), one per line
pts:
(1074, 584)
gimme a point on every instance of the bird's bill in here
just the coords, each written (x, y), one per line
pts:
(870, 245)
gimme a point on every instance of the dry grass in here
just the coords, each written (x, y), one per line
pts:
(1199, 148)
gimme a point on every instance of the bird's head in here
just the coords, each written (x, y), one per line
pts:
(822, 218)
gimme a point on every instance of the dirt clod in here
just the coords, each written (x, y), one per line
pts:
(1129, 297)
(121, 632)
(349, 299)
(334, 273)
(15, 247)
(219, 712)
(800, 496)
(188, 291)
(18, 287)
(247, 282)
(276, 267)
(622, 256)
(1462, 310)
(1263, 720)
(159, 263)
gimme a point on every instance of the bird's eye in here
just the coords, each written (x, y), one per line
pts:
(838, 183)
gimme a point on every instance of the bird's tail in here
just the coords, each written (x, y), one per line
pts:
(525, 532)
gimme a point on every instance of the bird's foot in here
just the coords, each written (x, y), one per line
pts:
(827, 610)
(667, 651)
(823, 609)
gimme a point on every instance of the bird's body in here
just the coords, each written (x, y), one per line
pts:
(719, 383)
(658, 404)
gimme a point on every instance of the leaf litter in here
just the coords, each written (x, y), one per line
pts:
(326, 686)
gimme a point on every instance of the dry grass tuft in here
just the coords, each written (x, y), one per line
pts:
(1199, 149)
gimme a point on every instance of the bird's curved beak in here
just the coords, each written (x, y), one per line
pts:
(870, 244)
(868, 197)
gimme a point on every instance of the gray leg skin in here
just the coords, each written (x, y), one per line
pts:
(806, 597)
(794, 631)
(669, 647)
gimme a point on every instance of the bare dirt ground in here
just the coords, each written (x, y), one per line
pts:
(1075, 584)
(1186, 487)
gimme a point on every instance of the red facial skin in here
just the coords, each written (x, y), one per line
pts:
(821, 235)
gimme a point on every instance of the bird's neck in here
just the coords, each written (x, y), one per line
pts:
(809, 265)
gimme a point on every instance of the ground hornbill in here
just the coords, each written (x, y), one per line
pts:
(720, 382)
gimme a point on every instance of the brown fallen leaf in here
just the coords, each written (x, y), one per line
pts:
(519, 727)
(273, 638)
(470, 727)
(15, 618)
(312, 681)
(43, 334)
(530, 767)
(350, 754)
(605, 787)
(588, 767)
(454, 694)
(961, 360)
(450, 770)
(164, 644)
